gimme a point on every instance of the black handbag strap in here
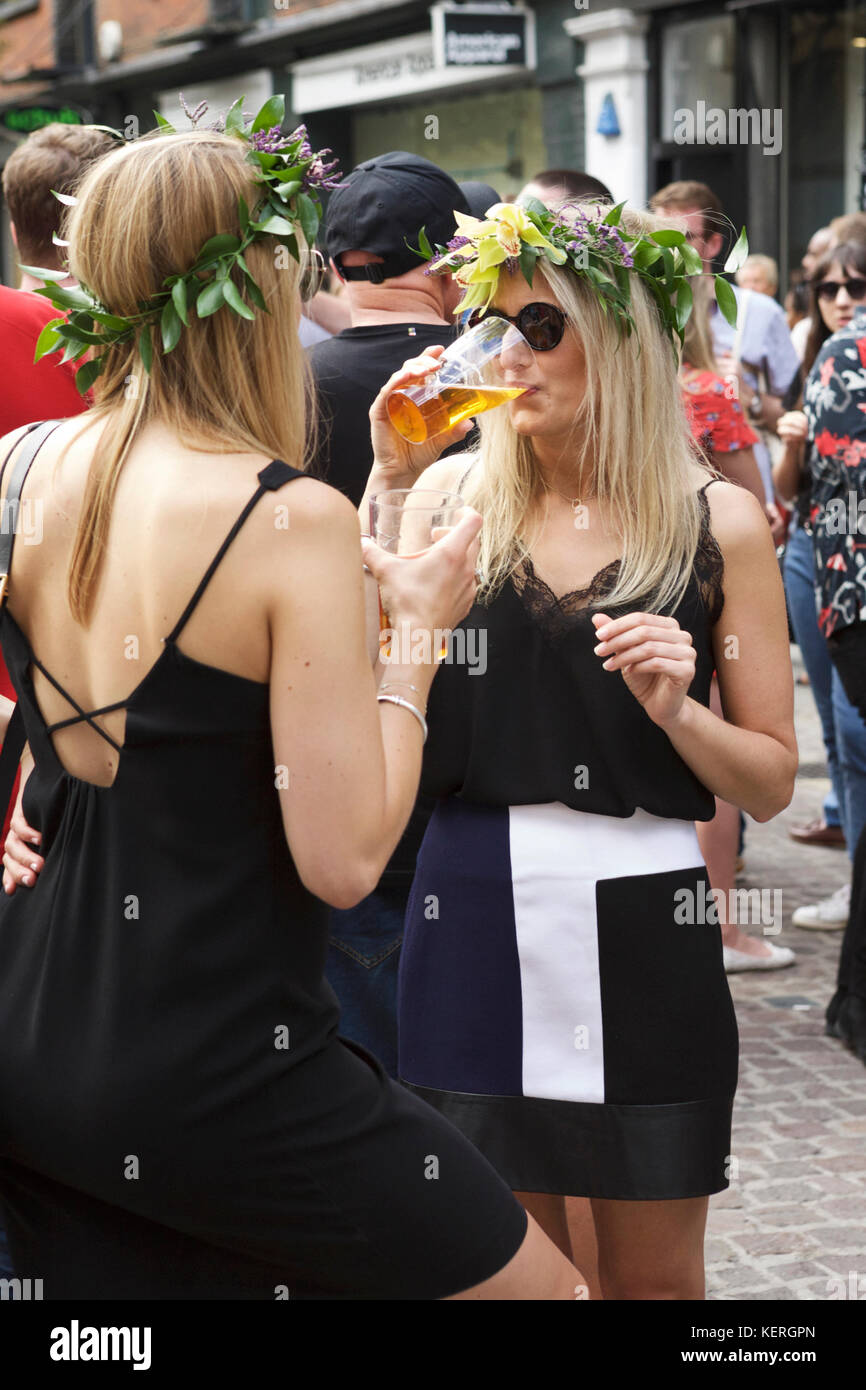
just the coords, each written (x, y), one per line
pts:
(33, 441)
(16, 735)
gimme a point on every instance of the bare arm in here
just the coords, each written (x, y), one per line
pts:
(352, 765)
(793, 429)
(749, 758)
(740, 467)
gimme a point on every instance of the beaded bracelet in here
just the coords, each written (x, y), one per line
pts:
(406, 704)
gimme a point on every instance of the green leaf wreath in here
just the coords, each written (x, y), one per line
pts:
(292, 176)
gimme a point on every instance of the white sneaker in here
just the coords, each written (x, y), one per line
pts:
(742, 960)
(829, 915)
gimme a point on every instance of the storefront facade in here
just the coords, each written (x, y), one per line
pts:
(632, 93)
(761, 99)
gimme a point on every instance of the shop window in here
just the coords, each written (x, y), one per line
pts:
(73, 34)
(697, 64)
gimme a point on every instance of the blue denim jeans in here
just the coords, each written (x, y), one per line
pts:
(841, 726)
(363, 962)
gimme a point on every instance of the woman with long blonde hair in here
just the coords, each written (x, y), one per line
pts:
(209, 769)
(563, 998)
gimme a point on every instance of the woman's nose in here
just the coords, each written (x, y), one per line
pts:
(516, 353)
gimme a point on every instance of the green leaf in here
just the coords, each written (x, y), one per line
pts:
(65, 198)
(243, 213)
(287, 189)
(170, 326)
(49, 276)
(210, 299)
(277, 226)
(163, 124)
(49, 339)
(217, 246)
(726, 300)
(645, 254)
(738, 254)
(308, 217)
(66, 298)
(684, 304)
(112, 321)
(668, 260)
(235, 118)
(534, 207)
(272, 113)
(178, 299)
(528, 257)
(234, 301)
(255, 293)
(110, 130)
(614, 216)
(668, 237)
(72, 333)
(424, 245)
(86, 375)
(692, 263)
(145, 347)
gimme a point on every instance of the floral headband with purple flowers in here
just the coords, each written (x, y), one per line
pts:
(598, 248)
(292, 176)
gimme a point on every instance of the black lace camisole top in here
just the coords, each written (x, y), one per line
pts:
(522, 711)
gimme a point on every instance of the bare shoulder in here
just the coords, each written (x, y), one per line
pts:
(446, 473)
(737, 520)
(307, 509)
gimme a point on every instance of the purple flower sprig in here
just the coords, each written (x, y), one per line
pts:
(269, 141)
(320, 172)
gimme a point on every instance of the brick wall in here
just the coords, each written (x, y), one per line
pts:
(28, 40)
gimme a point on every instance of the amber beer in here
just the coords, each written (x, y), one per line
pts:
(419, 422)
(406, 522)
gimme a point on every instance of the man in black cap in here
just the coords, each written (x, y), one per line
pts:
(373, 219)
(397, 312)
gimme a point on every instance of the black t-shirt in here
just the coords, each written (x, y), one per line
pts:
(349, 370)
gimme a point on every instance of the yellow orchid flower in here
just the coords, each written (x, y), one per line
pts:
(515, 226)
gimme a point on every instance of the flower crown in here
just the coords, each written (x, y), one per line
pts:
(599, 249)
(292, 177)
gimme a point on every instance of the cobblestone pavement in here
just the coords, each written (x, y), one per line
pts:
(794, 1218)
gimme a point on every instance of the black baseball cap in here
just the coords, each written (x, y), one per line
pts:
(382, 205)
(479, 196)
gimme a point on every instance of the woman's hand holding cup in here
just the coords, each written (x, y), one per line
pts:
(397, 462)
(433, 590)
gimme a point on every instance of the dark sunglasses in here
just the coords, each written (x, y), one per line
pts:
(542, 325)
(828, 289)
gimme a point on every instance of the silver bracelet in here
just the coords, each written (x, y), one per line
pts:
(407, 704)
(402, 685)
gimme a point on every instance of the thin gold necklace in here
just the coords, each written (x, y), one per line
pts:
(575, 502)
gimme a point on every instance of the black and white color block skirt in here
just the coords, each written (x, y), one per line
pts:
(556, 1007)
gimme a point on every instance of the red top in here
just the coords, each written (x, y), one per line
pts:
(716, 420)
(44, 390)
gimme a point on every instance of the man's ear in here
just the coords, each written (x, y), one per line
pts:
(714, 244)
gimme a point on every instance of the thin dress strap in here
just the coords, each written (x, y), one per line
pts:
(272, 477)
